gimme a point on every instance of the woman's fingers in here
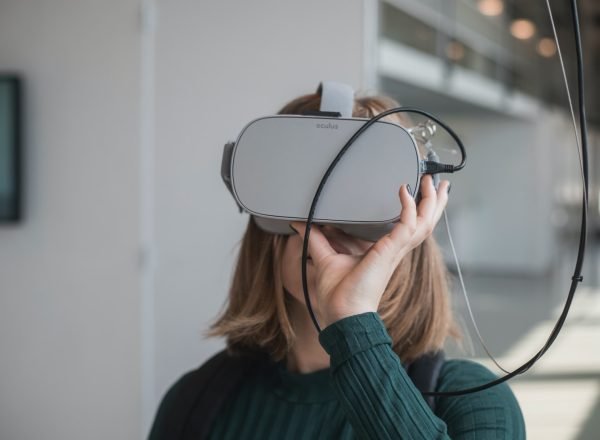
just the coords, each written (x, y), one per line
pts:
(318, 245)
(427, 205)
(431, 213)
(416, 222)
(408, 214)
(389, 247)
(431, 207)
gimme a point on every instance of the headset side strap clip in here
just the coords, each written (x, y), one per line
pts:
(226, 169)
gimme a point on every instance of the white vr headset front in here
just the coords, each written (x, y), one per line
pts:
(274, 168)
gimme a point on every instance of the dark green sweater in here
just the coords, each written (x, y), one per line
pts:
(366, 393)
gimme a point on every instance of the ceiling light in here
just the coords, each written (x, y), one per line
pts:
(546, 47)
(490, 8)
(522, 29)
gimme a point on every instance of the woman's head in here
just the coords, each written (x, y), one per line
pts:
(415, 306)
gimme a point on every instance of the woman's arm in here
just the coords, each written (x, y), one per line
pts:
(381, 401)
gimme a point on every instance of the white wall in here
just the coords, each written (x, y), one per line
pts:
(69, 306)
(503, 205)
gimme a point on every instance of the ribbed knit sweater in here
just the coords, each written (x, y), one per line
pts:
(366, 393)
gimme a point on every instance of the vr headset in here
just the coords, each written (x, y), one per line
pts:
(274, 167)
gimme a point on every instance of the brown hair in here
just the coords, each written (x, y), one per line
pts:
(415, 305)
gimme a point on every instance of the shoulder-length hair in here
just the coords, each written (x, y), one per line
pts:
(415, 306)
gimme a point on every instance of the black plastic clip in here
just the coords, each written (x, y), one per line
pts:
(579, 278)
(433, 167)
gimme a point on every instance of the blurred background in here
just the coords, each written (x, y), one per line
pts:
(123, 250)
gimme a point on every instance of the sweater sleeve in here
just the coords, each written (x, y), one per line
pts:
(381, 401)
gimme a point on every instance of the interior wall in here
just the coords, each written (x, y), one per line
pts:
(503, 206)
(69, 306)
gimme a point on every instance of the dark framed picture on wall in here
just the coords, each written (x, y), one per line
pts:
(10, 148)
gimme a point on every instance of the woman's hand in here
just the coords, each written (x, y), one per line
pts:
(350, 284)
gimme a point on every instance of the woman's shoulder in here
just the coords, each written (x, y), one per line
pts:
(465, 369)
(180, 396)
(497, 405)
(223, 366)
(466, 373)
(200, 375)
(201, 389)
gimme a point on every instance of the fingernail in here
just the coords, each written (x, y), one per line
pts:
(408, 188)
(449, 188)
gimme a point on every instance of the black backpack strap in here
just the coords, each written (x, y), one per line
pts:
(190, 406)
(424, 373)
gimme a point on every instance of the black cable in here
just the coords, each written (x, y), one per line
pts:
(428, 165)
(575, 279)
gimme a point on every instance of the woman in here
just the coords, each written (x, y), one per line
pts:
(382, 307)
